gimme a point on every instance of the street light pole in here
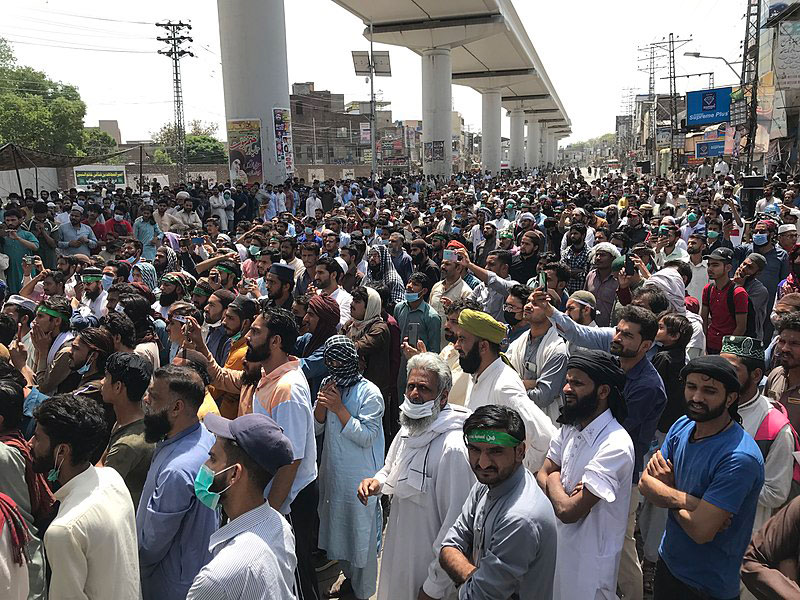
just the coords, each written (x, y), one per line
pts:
(372, 106)
(723, 59)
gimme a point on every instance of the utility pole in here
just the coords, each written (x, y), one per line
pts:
(175, 50)
(749, 82)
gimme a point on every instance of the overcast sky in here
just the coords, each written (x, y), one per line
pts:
(587, 47)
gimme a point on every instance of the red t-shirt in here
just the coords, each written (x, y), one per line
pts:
(720, 321)
(118, 228)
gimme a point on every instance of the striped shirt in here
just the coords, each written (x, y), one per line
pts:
(254, 559)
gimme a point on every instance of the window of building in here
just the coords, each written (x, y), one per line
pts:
(320, 152)
(299, 108)
(299, 152)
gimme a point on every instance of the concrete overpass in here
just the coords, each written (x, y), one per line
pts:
(481, 44)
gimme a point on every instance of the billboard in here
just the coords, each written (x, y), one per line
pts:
(284, 153)
(91, 174)
(706, 107)
(708, 149)
(244, 150)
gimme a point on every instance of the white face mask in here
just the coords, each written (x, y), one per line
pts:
(417, 411)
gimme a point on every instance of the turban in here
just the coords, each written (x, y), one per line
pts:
(482, 325)
(604, 247)
(327, 309)
(746, 347)
(715, 367)
(454, 244)
(285, 273)
(341, 358)
(603, 368)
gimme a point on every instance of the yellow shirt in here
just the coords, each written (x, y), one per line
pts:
(208, 406)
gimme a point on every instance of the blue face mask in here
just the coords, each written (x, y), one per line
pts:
(202, 486)
(412, 296)
(309, 230)
(759, 239)
(107, 281)
(254, 250)
(712, 235)
(432, 209)
(366, 231)
(88, 365)
(378, 231)
(456, 229)
(52, 476)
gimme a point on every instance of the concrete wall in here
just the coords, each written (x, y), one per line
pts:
(66, 176)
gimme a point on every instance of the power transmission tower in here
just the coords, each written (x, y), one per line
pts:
(749, 81)
(176, 51)
(673, 102)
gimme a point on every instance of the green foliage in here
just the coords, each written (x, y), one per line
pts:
(97, 142)
(201, 146)
(36, 111)
(603, 140)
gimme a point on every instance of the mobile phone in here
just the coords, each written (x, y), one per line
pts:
(541, 282)
(449, 255)
(197, 240)
(28, 260)
(413, 334)
(179, 318)
(213, 277)
(630, 268)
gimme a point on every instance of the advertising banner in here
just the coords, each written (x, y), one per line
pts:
(787, 55)
(662, 137)
(367, 156)
(364, 138)
(348, 173)
(210, 176)
(284, 153)
(244, 150)
(438, 150)
(705, 107)
(92, 174)
(709, 149)
(316, 175)
(428, 151)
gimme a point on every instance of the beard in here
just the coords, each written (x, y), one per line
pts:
(257, 354)
(581, 409)
(251, 373)
(93, 295)
(418, 259)
(471, 361)
(618, 350)
(156, 426)
(418, 426)
(704, 414)
(43, 464)
(375, 272)
(450, 336)
(168, 299)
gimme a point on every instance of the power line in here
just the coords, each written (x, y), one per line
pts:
(83, 49)
(41, 39)
(90, 17)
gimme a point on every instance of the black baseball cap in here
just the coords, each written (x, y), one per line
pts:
(721, 254)
(258, 435)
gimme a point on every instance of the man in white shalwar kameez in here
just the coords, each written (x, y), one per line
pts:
(493, 381)
(586, 477)
(428, 477)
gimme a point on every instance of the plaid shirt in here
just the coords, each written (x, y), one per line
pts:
(578, 262)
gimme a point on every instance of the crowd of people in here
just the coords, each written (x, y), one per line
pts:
(538, 385)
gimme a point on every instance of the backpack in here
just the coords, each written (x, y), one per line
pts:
(776, 419)
(750, 330)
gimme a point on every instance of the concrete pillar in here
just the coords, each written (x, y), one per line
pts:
(491, 113)
(255, 79)
(532, 150)
(545, 147)
(517, 154)
(437, 122)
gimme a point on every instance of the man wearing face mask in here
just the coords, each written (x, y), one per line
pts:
(173, 526)
(90, 298)
(254, 554)
(89, 351)
(776, 268)
(513, 312)
(426, 468)
(91, 543)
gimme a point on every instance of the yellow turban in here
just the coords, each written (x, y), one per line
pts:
(482, 325)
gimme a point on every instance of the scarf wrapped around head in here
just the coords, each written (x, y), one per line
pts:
(603, 368)
(355, 328)
(148, 273)
(171, 264)
(670, 282)
(387, 276)
(327, 309)
(341, 358)
(42, 498)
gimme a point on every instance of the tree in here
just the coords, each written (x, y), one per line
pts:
(201, 146)
(36, 111)
(96, 142)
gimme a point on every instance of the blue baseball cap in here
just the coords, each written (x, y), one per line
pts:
(261, 438)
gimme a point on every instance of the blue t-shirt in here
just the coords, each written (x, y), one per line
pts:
(725, 470)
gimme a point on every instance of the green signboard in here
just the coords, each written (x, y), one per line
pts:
(91, 176)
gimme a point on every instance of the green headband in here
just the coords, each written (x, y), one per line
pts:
(91, 278)
(172, 280)
(226, 270)
(198, 291)
(489, 436)
(52, 313)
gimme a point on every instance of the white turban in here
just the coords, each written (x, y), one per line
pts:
(670, 282)
(605, 247)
